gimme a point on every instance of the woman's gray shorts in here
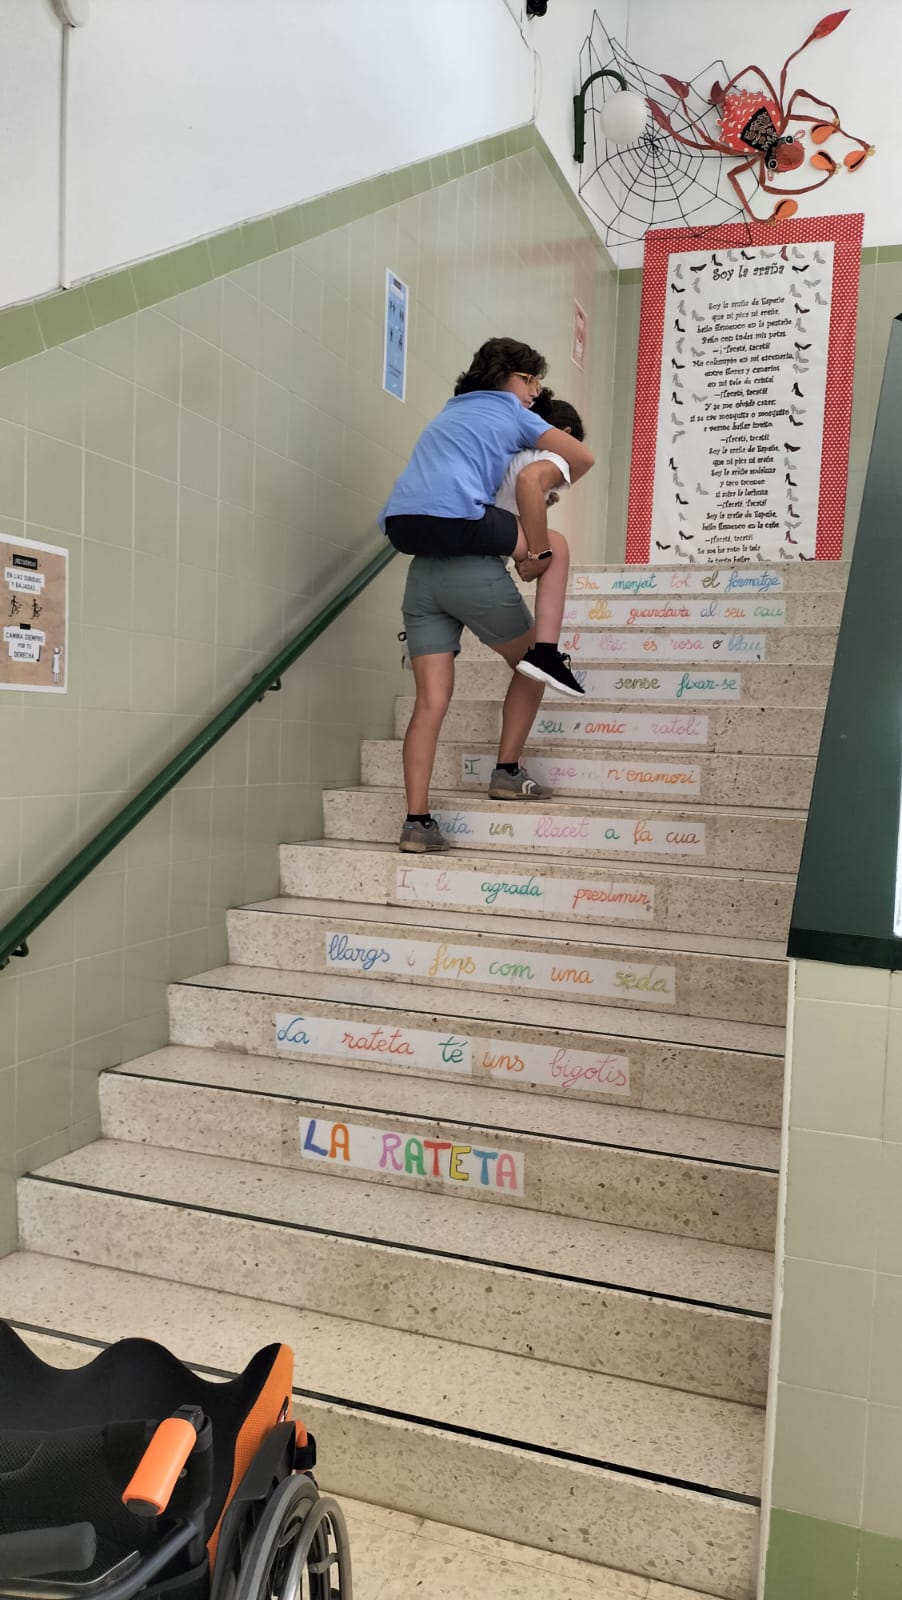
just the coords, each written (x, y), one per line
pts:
(445, 594)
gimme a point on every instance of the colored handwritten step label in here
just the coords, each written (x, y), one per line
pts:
(431, 1050)
(593, 777)
(647, 683)
(719, 580)
(621, 727)
(623, 835)
(380, 1044)
(352, 1146)
(723, 611)
(631, 982)
(599, 644)
(598, 899)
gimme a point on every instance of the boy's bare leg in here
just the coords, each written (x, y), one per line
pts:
(434, 679)
(522, 701)
(551, 587)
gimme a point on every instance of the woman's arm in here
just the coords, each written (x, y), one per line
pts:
(578, 457)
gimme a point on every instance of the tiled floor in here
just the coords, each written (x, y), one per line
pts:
(397, 1557)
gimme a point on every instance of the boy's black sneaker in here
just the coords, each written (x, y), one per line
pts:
(545, 663)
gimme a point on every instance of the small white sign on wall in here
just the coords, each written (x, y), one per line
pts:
(394, 369)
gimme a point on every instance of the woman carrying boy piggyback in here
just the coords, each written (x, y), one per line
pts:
(442, 512)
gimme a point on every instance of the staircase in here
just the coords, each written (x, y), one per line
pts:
(492, 1138)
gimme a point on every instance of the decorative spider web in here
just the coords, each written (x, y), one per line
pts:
(654, 182)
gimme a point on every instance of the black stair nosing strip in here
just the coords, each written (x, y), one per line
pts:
(316, 1231)
(478, 1435)
(445, 1122)
(435, 1016)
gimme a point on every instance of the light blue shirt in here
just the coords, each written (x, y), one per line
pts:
(460, 459)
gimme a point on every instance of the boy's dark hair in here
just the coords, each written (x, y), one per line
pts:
(558, 413)
(495, 361)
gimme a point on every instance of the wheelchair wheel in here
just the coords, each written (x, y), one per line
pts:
(299, 1549)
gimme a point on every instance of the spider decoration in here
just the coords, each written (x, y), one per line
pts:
(753, 122)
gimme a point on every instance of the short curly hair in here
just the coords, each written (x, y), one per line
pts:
(495, 361)
(558, 413)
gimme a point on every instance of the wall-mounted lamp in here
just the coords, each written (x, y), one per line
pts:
(622, 118)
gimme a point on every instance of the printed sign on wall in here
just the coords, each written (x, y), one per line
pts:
(34, 600)
(580, 335)
(394, 371)
(744, 393)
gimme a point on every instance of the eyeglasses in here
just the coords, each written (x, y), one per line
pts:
(533, 383)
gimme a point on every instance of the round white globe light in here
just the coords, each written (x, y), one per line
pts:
(623, 117)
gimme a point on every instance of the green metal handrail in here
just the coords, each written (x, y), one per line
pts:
(14, 937)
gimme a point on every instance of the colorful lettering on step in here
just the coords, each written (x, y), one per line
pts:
(622, 835)
(539, 972)
(748, 580)
(509, 1059)
(388, 1152)
(383, 1044)
(682, 612)
(599, 899)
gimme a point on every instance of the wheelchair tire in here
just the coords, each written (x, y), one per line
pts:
(298, 1549)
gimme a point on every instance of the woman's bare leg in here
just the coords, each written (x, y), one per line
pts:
(434, 679)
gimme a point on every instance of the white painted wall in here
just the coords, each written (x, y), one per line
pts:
(558, 38)
(858, 68)
(30, 52)
(187, 116)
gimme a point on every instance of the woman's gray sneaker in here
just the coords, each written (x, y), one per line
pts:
(420, 838)
(517, 786)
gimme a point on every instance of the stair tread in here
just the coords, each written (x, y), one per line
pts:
(616, 1422)
(645, 753)
(470, 1104)
(553, 934)
(729, 1276)
(568, 863)
(478, 800)
(431, 1001)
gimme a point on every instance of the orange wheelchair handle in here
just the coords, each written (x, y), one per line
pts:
(160, 1467)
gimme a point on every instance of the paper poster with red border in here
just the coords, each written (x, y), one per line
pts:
(744, 392)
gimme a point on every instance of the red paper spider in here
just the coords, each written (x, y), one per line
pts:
(754, 124)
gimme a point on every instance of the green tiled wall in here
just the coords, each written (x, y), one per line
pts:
(838, 1407)
(207, 434)
(880, 299)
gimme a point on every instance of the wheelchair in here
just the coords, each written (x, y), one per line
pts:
(133, 1476)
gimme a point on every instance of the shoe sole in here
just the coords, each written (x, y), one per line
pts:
(529, 671)
(409, 849)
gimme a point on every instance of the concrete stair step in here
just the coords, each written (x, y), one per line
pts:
(419, 1263)
(597, 644)
(740, 980)
(647, 686)
(490, 1441)
(742, 838)
(617, 773)
(678, 899)
(692, 1068)
(772, 614)
(703, 1178)
(734, 580)
(603, 725)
